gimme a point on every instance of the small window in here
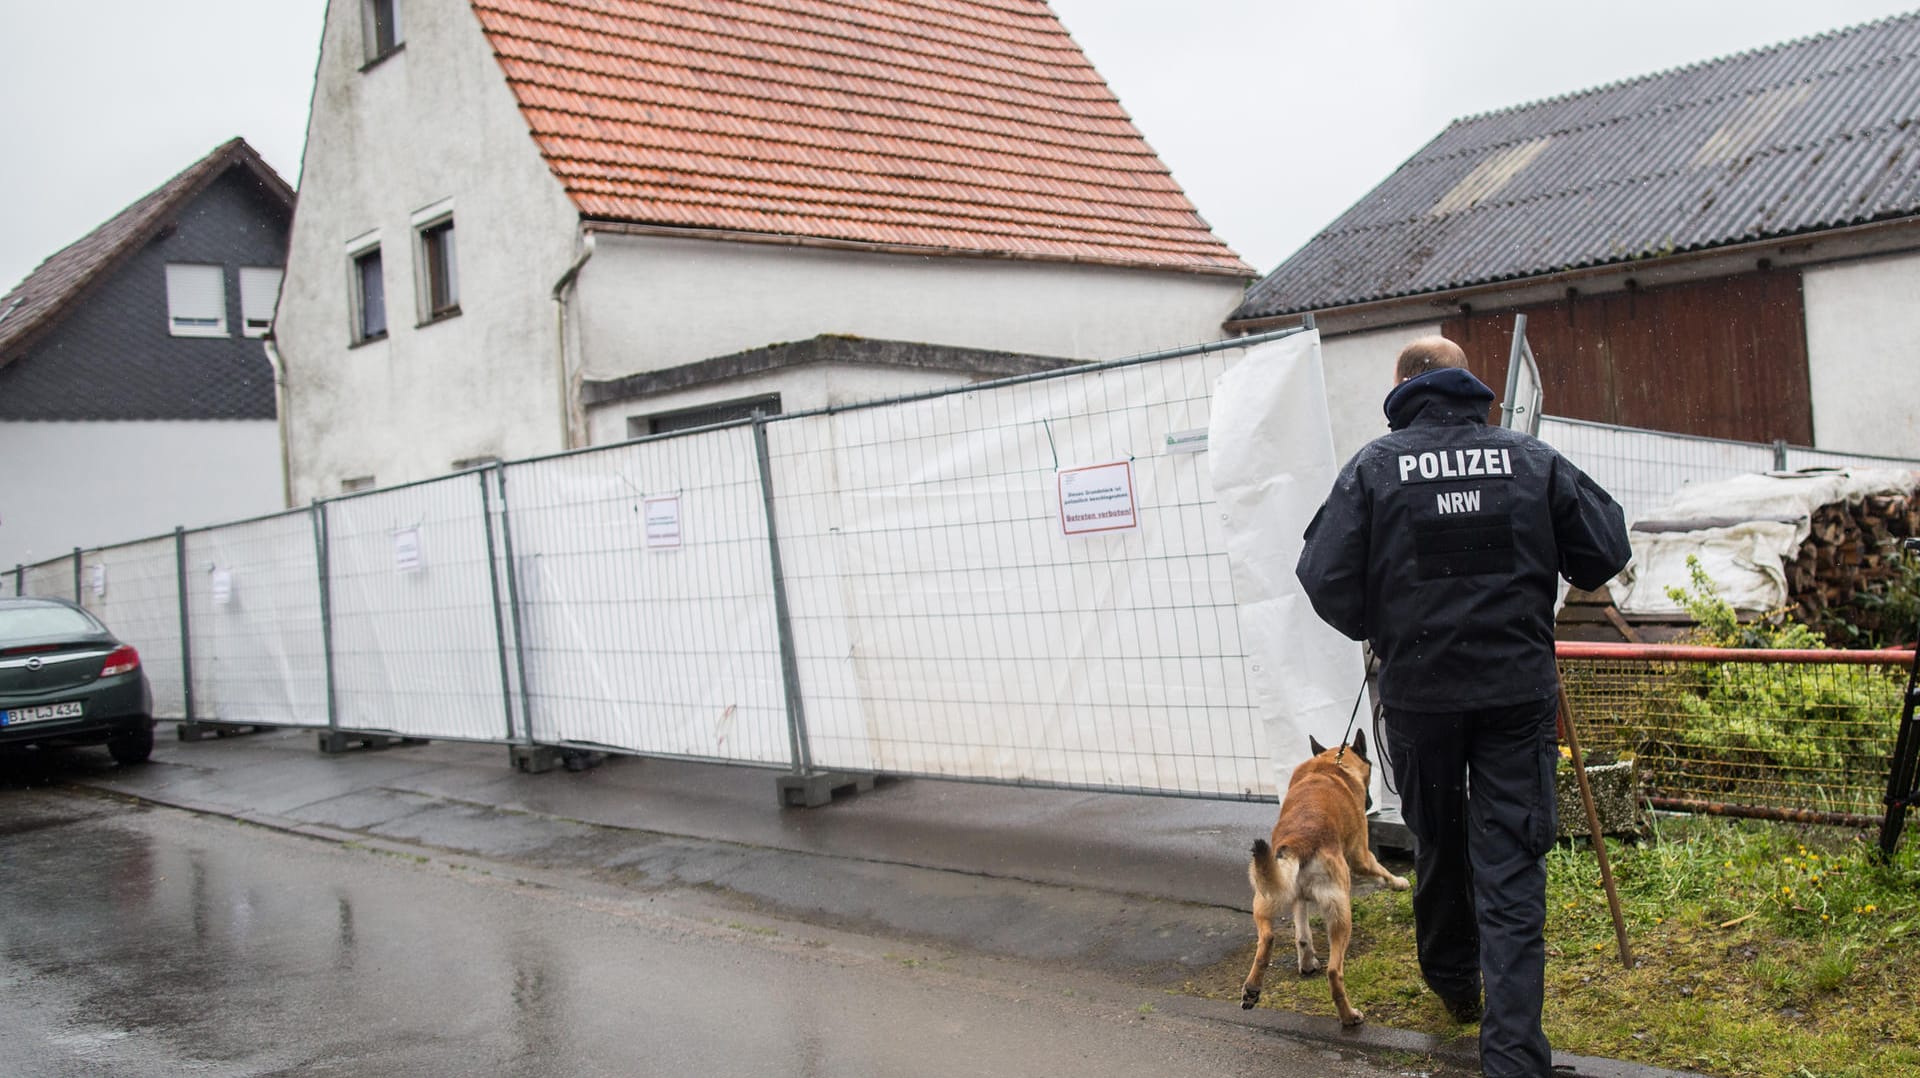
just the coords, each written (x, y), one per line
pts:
(259, 291)
(369, 296)
(354, 483)
(705, 415)
(196, 301)
(439, 275)
(380, 21)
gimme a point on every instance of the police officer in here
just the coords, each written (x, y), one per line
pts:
(1439, 545)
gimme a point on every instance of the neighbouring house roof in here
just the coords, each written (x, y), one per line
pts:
(827, 348)
(947, 126)
(1810, 135)
(63, 280)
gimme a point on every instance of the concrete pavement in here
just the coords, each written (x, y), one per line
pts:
(1143, 888)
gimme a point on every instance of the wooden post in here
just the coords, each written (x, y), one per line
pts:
(1593, 829)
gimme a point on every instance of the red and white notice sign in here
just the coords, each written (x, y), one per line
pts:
(1097, 498)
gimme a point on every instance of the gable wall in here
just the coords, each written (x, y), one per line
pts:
(434, 121)
(113, 357)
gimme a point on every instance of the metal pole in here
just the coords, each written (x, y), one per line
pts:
(1593, 829)
(493, 587)
(319, 514)
(186, 634)
(513, 608)
(19, 579)
(783, 622)
(76, 577)
(1779, 454)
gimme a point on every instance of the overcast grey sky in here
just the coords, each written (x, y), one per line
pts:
(1275, 115)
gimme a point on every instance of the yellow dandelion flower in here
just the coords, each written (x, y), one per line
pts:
(1871, 907)
(1788, 891)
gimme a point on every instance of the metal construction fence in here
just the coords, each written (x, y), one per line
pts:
(886, 587)
(1643, 468)
(1786, 734)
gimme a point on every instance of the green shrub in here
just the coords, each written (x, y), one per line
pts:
(1785, 734)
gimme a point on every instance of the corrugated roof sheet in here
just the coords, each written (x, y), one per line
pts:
(964, 125)
(63, 279)
(1810, 135)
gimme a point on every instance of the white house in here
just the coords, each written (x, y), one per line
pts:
(135, 396)
(530, 225)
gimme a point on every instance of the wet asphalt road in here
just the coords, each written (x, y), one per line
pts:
(141, 940)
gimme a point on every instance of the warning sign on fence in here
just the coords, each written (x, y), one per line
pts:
(1097, 498)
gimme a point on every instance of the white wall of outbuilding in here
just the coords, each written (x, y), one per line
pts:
(95, 483)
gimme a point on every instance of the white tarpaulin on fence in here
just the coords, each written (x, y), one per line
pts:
(1271, 445)
(1743, 531)
(1020, 583)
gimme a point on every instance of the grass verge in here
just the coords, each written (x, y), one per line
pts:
(1762, 950)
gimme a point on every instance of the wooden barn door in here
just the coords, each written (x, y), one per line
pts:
(1725, 358)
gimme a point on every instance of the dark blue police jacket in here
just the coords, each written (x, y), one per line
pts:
(1440, 544)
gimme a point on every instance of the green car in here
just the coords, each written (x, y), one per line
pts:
(64, 679)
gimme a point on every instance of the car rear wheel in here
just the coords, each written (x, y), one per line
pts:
(130, 747)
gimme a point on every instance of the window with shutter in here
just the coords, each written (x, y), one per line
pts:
(259, 291)
(196, 301)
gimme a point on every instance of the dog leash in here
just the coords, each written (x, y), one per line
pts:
(1353, 716)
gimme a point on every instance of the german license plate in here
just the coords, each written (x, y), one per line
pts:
(72, 709)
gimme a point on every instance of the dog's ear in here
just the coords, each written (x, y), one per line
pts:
(1314, 744)
(1360, 744)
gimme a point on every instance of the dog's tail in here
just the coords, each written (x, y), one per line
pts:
(1272, 872)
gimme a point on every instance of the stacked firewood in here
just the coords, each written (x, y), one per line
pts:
(1850, 549)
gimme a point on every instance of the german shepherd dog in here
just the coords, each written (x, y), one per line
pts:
(1318, 842)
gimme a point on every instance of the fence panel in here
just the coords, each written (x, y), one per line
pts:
(1799, 457)
(1747, 732)
(416, 645)
(1642, 468)
(946, 626)
(646, 599)
(253, 622)
(49, 579)
(134, 588)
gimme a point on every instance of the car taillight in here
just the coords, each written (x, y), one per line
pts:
(123, 659)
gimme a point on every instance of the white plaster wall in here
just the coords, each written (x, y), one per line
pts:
(1863, 353)
(801, 389)
(649, 302)
(432, 122)
(93, 484)
(1359, 374)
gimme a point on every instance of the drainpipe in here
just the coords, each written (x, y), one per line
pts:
(569, 424)
(281, 402)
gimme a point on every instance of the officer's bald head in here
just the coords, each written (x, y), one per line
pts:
(1427, 354)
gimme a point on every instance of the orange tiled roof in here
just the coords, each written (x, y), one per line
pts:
(975, 126)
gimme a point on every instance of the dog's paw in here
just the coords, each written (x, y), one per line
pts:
(1398, 883)
(1352, 1019)
(1248, 998)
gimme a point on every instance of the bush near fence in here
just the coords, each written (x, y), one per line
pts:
(1784, 733)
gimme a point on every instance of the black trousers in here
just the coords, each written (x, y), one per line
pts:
(1476, 790)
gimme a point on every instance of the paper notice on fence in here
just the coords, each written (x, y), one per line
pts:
(406, 550)
(1270, 448)
(1097, 498)
(662, 516)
